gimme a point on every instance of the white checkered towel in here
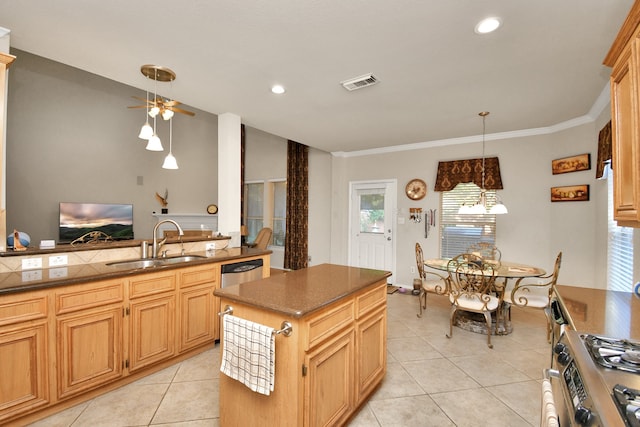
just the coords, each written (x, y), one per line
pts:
(248, 353)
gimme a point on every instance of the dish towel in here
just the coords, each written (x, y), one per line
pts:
(249, 353)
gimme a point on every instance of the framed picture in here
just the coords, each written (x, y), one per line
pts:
(581, 162)
(571, 193)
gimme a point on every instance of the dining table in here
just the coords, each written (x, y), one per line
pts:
(505, 270)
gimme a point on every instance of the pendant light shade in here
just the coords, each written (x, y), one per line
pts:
(170, 161)
(155, 144)
(146, 131)
(480, 206)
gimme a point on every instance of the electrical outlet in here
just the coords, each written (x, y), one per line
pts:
(31, 263)
(413, 270)
(58, 273)
(57, 260)
(210, 247)
(32, 275)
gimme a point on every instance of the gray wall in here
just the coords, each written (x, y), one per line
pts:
(71, 137)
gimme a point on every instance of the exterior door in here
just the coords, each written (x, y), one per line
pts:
(372, 242)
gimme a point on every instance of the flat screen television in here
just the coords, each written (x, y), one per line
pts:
(78, 219)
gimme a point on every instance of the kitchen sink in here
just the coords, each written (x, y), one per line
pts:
(179, 259)
(153, 262)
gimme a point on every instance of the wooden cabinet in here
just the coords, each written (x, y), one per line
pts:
(197, 311)
(326, 369)
(89, 336)
(151, 319)
(624, 58)
(24, 370)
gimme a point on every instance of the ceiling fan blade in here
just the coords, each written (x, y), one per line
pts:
(172, 103)
(137, 106)
(180, 110)
(142, 99)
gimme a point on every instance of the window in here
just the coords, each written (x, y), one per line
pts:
(266, 206)
(254, 208)
(619, 251)
(279, 219)
(458, 232)
(372, 211)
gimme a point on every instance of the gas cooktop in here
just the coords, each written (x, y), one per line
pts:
(620, 354)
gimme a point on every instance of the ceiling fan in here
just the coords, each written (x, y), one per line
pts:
(157, 104)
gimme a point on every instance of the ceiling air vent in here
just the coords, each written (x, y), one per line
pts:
(360, 82)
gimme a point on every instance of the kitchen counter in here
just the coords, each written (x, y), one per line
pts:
(28, 280)
(300, 292)
(602, 312)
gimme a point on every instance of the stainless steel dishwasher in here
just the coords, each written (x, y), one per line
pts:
(240, 272)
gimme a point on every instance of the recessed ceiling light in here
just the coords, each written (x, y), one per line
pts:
(487, 25)
(277, 89)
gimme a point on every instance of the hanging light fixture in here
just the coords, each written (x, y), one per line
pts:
(480, 206)
(159, 106)
(170, 161)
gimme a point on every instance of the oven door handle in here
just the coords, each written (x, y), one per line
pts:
(550, 373)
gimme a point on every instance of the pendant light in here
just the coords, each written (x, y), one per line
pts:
(154, 142)
(170, 161)
(480, 206)
(146, 131)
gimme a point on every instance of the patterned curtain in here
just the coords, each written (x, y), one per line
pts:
(296, 241)
(243, 143)
(604, 149)
(454, 172)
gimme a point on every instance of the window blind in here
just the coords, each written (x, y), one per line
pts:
(619, 250)
(458, 232)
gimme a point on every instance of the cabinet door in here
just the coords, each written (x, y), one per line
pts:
(89, 350)
(626, 143)
(197, 322)
(24, 371)
(152, 330)
(371, 350)
(329, 388)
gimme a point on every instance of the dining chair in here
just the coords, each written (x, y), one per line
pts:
(535, 295)
(431, 282)
(471, 289)
(486, 250)
(262, 239)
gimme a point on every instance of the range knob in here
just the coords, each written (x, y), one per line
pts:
(559, 348)
(564, 357)
(583, 416)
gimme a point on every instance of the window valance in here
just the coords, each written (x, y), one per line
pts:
(454, 172)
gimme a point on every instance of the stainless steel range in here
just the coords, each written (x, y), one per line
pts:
(598, 380)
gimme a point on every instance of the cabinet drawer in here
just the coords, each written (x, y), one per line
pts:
(96, 294)
(198, 275)
(329, 322)
(151, 284)
(22, 308)
(371, 299)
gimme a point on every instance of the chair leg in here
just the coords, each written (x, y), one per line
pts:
(421, 305)
(547, 313)
(487, 317)
(451, 317)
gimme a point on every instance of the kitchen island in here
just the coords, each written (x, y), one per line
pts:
(335, 356)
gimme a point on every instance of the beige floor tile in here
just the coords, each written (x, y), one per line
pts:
(523, 398)
(439, 375)
(210, 422)
(489, 369)
(131, 405)
(202, 366)
(409, 411)
(364, 418)
(62, 419)
(397, 383)
(189, 401)
(477, 407)
(411, 348)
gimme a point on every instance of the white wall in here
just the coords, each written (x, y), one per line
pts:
(534, 230)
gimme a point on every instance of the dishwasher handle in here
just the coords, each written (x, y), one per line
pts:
(241, 267)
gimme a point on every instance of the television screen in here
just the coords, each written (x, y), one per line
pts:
(78, 219)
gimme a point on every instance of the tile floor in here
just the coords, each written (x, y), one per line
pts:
(431, 380)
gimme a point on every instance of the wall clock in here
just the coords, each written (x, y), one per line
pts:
(212, 209)
(416, 189)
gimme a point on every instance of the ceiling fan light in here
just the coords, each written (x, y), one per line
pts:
(167, 114)
(487, 25)
(154, 144)
(146, 131)
(154, 111)
(170, 162)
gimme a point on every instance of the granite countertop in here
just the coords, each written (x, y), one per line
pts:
(597, 311)
(28, 280)
(300, 292)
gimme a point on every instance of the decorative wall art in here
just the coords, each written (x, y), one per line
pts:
(571, 193)
(581, 162)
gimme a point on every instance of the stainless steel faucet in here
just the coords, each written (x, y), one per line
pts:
(156, 245)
